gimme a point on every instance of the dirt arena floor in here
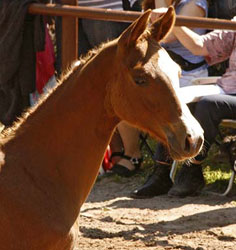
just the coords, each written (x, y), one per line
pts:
(111, 220)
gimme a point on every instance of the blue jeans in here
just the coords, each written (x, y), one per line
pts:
(94, 32)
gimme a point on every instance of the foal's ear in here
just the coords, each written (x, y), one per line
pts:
(162, 26)
(135, 30)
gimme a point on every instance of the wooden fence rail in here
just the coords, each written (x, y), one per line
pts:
(70, 11)
(125, 16)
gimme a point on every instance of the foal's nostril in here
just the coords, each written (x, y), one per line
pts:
(200, 142)
(188, 142)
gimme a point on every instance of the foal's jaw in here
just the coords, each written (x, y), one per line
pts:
(186, 138)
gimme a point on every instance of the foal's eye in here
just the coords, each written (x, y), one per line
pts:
(140, 81)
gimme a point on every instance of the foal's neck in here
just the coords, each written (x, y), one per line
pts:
(64, 140)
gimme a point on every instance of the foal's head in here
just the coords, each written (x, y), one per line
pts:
(146, 86)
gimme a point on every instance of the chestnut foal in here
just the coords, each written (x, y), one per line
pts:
(50, 159)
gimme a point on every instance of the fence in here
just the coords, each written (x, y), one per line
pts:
(70, 13)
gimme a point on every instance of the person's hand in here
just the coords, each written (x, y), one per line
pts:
(156, 13)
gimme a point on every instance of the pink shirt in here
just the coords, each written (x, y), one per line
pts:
(221, 45)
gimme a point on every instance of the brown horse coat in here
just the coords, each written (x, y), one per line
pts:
(50, 160)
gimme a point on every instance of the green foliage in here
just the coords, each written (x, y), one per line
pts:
(147, 159)
(217, 170)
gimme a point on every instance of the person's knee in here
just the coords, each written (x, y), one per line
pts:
(206, 108)
(208, 116)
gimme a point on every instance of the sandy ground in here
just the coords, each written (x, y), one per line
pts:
(111, 220)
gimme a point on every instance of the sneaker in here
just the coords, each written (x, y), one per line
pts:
(189, 182)
(158, 183)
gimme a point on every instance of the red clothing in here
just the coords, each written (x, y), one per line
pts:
(45, 63)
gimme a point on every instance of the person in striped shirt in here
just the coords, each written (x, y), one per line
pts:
(94, 32)
(105, 4)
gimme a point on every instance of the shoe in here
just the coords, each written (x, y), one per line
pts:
(124, 171)
(158, 183)
(189, 182)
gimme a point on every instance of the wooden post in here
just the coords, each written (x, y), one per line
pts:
(69, 50)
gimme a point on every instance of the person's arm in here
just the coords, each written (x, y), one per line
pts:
(189, 9)
(191, 40)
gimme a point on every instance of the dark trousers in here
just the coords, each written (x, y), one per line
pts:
(209, 112)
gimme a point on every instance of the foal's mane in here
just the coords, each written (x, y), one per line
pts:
(9, 133)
